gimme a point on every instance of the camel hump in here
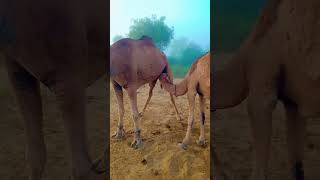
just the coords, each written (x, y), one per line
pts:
(144, 37)
(147, 40)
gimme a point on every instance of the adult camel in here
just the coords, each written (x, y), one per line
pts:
(134, 63)
(278, 62)
(62, 44)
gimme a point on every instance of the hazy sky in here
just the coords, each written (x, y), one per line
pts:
(190, 18)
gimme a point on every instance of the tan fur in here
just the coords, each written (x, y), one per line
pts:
(134, 63)
(278, 62)
(197, 81)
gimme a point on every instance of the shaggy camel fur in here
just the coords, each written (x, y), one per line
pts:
(278, 62)
(197, 81)
(61, 44)
(134, 63)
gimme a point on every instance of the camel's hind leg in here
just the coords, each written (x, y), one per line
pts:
(119, 93)
(151, 85)
(191, 100)
(201, 141)
(137, 142)
(27, 91)
(295, 138)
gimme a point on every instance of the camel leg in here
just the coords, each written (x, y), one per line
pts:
(175, 108)
(201, 141)
(260, 108)
(137, 142)
(295, 138)
(191, 99)
(151, 85)
(119, 93)
(71, 98)
(27, 91)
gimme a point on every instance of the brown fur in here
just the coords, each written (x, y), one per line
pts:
(278, 62)
(62, 44)
(134, 63)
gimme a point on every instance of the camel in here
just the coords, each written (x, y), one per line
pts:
(197, 81)
(278, 62)
(134, 63)
(61, 44)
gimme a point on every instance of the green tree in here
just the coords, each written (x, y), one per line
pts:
(153, 27)
(116, 38)
(183, 52)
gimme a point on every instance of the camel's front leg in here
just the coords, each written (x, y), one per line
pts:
(119, 93)
(151, 85)
(191, 100)
(27, 91)
(137, 142)
(71, 98)
(260, 108)
(295, 138)
(201, 141)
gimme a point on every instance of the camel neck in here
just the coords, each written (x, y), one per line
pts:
(230, 86)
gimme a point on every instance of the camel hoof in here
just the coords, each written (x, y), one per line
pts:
(202, 143)
(137, 143)
(183, 146)
(119, 135)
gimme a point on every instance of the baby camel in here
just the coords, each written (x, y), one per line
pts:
(134, 63)
(197, 81)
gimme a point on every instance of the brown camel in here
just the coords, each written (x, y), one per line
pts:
(61, 44)
(278, 62)
(197, 81)
(134, 63)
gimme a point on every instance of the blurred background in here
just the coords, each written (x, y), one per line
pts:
(180, 28)
(232, 22)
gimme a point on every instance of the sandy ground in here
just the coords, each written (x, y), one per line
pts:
(160, 158)
(233, 143)
(12, 146)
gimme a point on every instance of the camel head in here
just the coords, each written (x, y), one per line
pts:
(164, 78)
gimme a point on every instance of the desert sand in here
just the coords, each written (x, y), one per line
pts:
(160, 157)
(12, 134)
(233, 141)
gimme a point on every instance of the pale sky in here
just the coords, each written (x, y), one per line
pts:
(190, 18)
